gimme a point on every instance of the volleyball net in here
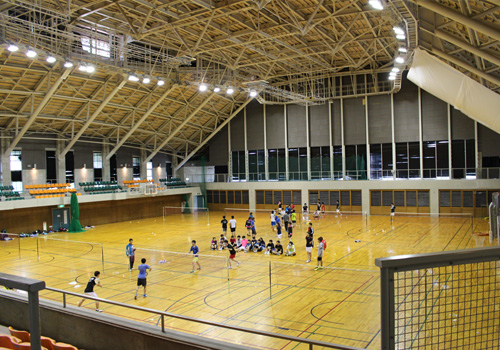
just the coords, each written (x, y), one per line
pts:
(201, 214)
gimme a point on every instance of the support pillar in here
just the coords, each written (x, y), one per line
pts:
(6, 175)
(106, 167)
(61, 162)
(144, 163)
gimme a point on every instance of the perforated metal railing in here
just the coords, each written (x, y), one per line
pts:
(447, 300)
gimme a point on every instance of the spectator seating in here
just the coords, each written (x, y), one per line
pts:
(174, 183)
(21, 340)
(50, 190)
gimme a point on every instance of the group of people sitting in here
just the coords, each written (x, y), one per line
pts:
(254, 245)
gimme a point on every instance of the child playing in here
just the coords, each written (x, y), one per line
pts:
(213, 244)
(248, 225)
(224, 225)
(270, 247)
(195, 250)
(254, 244)
(320, 254)
(238, 242)
(290, 231)
(273, 221)
(290, 249)
(89, 290)
(232, 254)
(243, 244)
(278, 230)
(278, 248)
(293, 216)
(221, 242)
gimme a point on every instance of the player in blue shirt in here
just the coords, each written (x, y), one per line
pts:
(130, 251)
(195, 250)
(141, 279)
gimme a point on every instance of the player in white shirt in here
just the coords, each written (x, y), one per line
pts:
(232, 224)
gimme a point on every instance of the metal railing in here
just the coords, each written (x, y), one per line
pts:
(445, 300)
(164, 314)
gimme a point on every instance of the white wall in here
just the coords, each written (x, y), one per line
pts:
(34, 177)
(124, 174)
(83, 175)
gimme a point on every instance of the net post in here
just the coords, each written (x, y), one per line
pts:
(19, 244)
(37, 250)
(102, 256)
(270, 282)
(208, 216)
(163, 213)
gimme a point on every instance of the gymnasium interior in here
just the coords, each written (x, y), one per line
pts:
(371, 126)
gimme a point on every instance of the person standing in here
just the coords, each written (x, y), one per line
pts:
(232, 224)
(224, 225)
(338, 206)
(323, 208)
(293, 216)
(320, 254)
(318, 206)
(286, 220)
(130, 251)
(280, 205)
(273, 221)
(195, 250)
(393, 209)
(309, 247)
(232, 254)
(141, 279)
(89, 290)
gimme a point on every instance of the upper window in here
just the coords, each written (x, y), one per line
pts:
(96, 46)
(97, 160)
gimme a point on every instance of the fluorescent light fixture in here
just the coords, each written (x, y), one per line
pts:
(216, 89)
(395, 70)
(392, 77)
(31, 53)
(376, 4)
(12, 48)
(90, 69)
(229, 91)
(400, 36)
(146, 80)
(161, 82)
(51, 59)
(253, 93)
(398, 30)
(203, 87)
(82, 68)
(403, 49)
(133, 78)
(400, 60)
(68, 64)
(392, 73)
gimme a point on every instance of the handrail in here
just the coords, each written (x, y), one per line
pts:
(197, 320)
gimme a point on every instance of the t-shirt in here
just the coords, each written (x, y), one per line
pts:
(338, 205)
(309, 241)
(278, 229)
(270, 246)
(294, 216)
(244, 242)
(248, 224)
(290, 229)
(286, 218)
(318, 205)
(320, 249)
(232, 223)
(90, 285)
(143, 271)
(232, 251)
(310, 230)
(393, 208)
(195, 250)
(279, 248)
(273, 218)
(130, 250)
(304, 208)
(232, 240)
(291, 248)
(224, 223)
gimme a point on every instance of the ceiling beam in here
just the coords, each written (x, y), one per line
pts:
(93, 116)
(37, 111)
(219, 128)
(181, 125)
(458, 17)
(140, 121)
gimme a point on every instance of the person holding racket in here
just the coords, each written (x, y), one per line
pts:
(195, 250)
(130, 251)
(141, 279)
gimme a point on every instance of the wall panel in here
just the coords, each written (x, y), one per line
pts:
(237, 133)
(255, 125)
(379, 118)
(296, 124)
(434, 118)
(406, 113)
(318, 125)
(354, 121)
(275, 126)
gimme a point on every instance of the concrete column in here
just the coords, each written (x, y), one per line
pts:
(393, 132)
(246, 143)
(449, 144)
(266, 165)
(175, 161)
(6, 175)
(342, 136)
(368, 165)
(106, 168)
(286, 145)
(330, 135)
(61, 163)
(420, 134)
(144, 171)
(251, 198)
(230, 154)
(308, 142)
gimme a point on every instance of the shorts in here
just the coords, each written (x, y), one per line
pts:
(320, 258)
(195, 259)
(233, 229)
(273, 223)
(232, 256)
(309, 249)
(392, 213)
(224, 229)
(141, 282)
(92, 294)
(294, 222)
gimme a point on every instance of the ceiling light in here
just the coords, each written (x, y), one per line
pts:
(398, 30)
(161, 82)
(392, 77)
(216, 89)
(401, 37)
(90, 69)
(395, 69)
(392, 74)
(82, 68)
(376, 4)
(12, 48)
(229, 91)
(51, 59)
(203, 87)
(133, 78)
(253, 93)
(146, 80)
(68, 64)
(403, 49)
(31, 53)
(400, 59)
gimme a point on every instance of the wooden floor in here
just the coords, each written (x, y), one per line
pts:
(339, 304)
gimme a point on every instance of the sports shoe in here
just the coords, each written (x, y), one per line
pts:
(135, 297)
(144, 295)
(237, 264)
(317, 268)
(229, 267)
(199, 268)
(191, 271)
(98, 310)
(308, 261)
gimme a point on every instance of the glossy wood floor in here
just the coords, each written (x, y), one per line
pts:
(338, 304)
